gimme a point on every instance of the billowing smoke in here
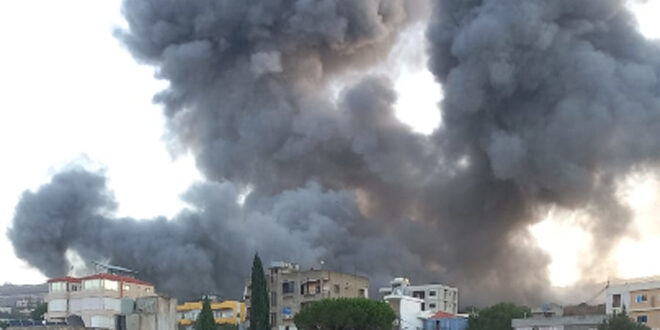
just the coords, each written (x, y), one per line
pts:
(547, 104)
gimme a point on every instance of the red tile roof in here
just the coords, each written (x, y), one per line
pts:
(64, 279)
(443, 315)
(116, 278)
(100, 276)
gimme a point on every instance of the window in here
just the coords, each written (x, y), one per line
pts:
(641, 298)
(302, 289)
(288, 287)
(431, 305)
(92, 284)
(432, 293)
(273, 319)
(111, 285)
(362, 293)
(419, 294)
(642, 319)
(58, 287)
(336, 288)
(616, 300)
(423, 306)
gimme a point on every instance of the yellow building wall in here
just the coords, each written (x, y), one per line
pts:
(233, 305)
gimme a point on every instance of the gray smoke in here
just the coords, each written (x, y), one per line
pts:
(547, 103)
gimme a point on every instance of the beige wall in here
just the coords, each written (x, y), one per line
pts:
(649, 306)
(332, 285)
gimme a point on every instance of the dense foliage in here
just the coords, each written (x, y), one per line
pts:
(38, 313)
(621, 321)
(205, 320)
(497, 317)
(259, 304)
(345, 314)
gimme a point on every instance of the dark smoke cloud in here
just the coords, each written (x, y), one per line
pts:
(547, 103)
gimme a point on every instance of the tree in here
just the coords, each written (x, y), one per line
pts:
(259, 304)
(205, 320)
(38, 313)
(4, 325)
(345, 314)
(227, 327)
(497, 317)
(621, 321)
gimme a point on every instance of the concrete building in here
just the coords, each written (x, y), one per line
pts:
(639, 297)
(435, 297)
(291, 288)
(556, 317)
(226, 312)
(96, 299)
(150, 313)
(408, 311)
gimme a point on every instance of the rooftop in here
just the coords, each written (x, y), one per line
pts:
(118, 278)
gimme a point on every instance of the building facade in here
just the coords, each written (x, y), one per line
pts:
(435, 297)
(556, 317)
(96, 299)
(640, 299)
(407, 310)
(291, 288)
(226, 312)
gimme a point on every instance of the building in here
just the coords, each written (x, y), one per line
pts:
(291, 288)
(408, 311)
(225, 312)
(436, 297)
(445, 321)
(556, 317)
(148, 313)
(96, 299)
(640, 298)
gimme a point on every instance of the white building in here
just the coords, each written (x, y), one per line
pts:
(96, 299)
(435, 297)
(408, 311)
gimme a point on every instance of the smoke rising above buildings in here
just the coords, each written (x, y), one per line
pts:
(547, 104)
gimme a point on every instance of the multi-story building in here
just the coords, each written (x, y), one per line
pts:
(435, 297)
(225, 312)
(556, 317)
(640, 298)
(291, 288)
(96, 299)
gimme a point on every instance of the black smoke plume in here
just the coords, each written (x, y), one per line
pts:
(547, 104)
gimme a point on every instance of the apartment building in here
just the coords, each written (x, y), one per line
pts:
(96, 299)
(225, 312)
(640, 298)
(291, 288)
(435, 297)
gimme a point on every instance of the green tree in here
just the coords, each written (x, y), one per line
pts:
(205, 320)
(4, 325)
(497, 317)
(345, 314)
(38, 313)
(227, 327)
(621, 321)
(259, 304)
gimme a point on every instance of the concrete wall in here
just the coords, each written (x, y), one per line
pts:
(332, 285)
(153, 313)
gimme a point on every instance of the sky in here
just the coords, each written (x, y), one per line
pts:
(73, 95)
